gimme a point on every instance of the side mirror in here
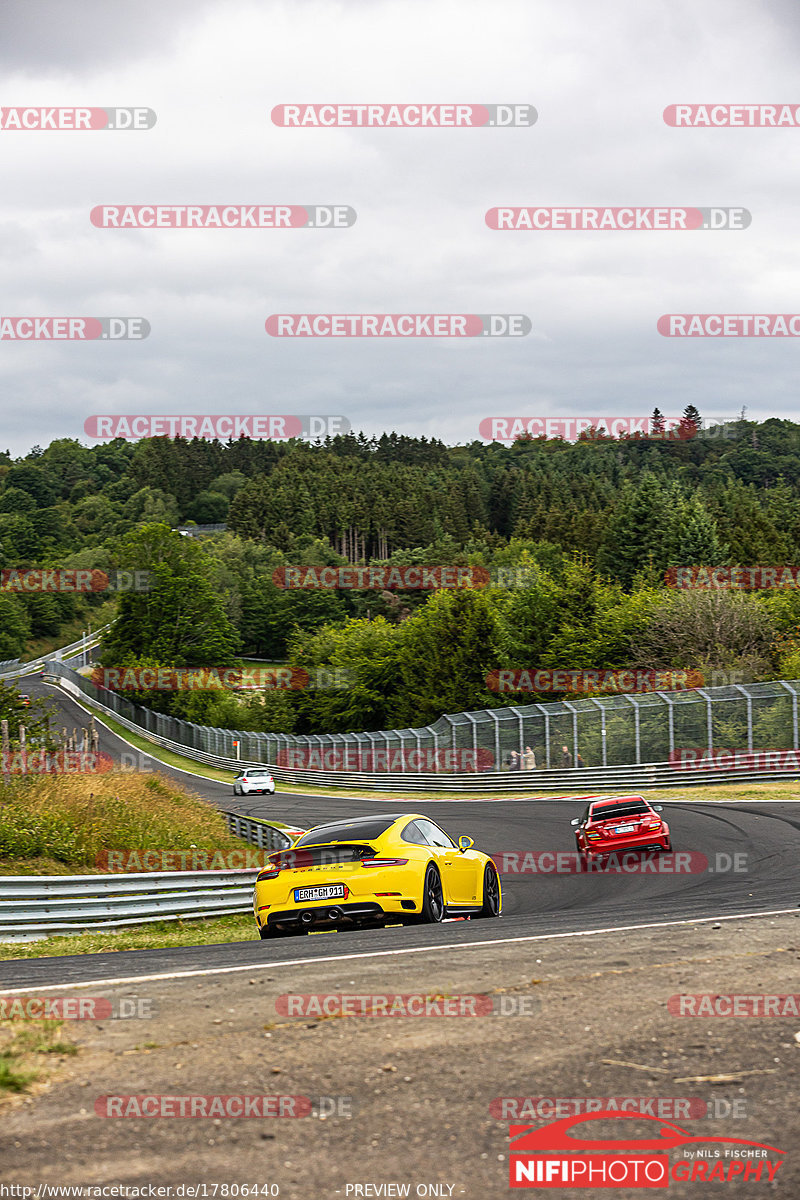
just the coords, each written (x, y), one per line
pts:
(464, 843)
(575, 821)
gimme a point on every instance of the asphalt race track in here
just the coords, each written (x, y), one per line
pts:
(765, 838)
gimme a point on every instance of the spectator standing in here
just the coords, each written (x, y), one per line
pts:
(566, 757)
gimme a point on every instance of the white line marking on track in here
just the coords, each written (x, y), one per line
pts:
(299, 962)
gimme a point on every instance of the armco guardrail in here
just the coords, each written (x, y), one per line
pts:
(259, 833)
(35, 906)
(72, 651)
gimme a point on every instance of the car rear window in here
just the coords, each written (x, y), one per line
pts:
(634, 809)
(320, 856)
(346, 831)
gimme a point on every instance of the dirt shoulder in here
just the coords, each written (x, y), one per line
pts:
(409, 1095)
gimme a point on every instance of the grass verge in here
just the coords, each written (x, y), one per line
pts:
(160, 935)
(28, 1050)
(74, 819)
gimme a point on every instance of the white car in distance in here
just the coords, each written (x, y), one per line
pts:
(250, 781)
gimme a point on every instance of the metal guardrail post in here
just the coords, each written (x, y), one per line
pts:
(793, 694)
(749, 700)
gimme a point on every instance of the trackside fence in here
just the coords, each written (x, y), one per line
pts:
(628, 741)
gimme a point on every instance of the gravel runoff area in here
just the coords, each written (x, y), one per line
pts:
(407, 1100)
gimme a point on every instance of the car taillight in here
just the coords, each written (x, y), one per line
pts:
(592, 835)
(654, 825)
(268, 873)
(383, 862)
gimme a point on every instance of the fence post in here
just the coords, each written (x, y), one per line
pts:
(6, 751)
(794, 714)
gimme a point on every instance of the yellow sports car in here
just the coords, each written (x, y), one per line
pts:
(367, 871)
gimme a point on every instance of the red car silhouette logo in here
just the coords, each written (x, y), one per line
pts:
(556, 1136)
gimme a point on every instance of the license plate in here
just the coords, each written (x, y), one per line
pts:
(330, 891)
(624, 829)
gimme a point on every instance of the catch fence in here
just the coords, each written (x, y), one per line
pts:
(664, 729)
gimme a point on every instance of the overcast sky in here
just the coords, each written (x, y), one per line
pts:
(599, 76)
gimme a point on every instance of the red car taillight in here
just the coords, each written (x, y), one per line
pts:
(383, 862)
(268, 873)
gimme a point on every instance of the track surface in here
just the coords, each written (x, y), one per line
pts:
(533, 904)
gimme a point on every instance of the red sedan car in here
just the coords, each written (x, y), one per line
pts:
(624, 823)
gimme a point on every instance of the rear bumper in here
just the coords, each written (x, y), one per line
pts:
(328, 915)
(625, 846)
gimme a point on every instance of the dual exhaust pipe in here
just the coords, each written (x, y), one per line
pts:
(333, 913)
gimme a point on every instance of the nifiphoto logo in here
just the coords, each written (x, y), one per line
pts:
(572, 1153)
(403, 116)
